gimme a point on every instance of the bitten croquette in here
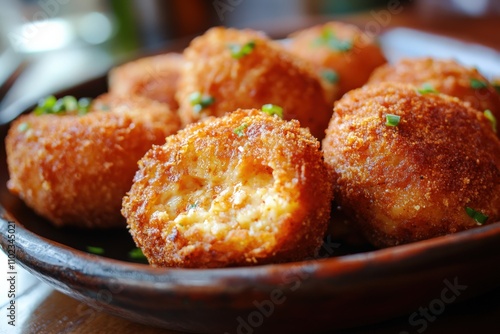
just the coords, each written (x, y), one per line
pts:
(243, 189)
(435, 172)
(74, 169)
(227, 69)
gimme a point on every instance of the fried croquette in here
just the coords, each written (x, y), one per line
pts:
(154, 77)
(228, 69)
(435, 172)
(243, 189)
(340, 52)
(445, 76)
(74, 169)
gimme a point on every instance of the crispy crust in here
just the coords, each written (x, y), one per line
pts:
(74, 170)
(269, 74)
(353, 66)
(212, 198)
(446, 76)
(154, 77)
(413, 181)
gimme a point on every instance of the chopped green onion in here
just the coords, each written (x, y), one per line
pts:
(197, 108)
(95, 250)
(340, 45)
(272, 109)
(392, 120)
(51, 105)
(330, 76)
(84, 105)
(45, 105)
(57, 108)
(489, 115)
(329, 39)
(103, 107)
(476, 215)
(200, 102)
(478, 84)
(136, 254)
(207, 100)
(195, 98)
(193, 205)
(427, 88)
(496, 85)
(240, 51)
(24, 126)
(240, 130)
(70, 103)
(84, 102)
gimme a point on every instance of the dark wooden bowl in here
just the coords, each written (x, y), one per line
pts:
(306, 297)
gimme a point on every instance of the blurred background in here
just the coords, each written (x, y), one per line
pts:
(47, 45)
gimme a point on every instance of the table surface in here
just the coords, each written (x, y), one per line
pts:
(41, 309)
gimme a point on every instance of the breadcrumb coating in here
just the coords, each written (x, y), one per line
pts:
(340, 47)
(267, 74)
(412, 181)
(243, 189)
(74, 170)
(155, 77)
(446, 76)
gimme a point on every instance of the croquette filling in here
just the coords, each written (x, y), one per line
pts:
(231, 207)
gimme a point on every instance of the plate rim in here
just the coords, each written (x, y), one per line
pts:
(103, 268)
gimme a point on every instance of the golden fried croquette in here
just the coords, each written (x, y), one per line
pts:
(243, 189)
(339, 47)
(228, 69)
(445, 76)
(74, 170)
(154, 77)
(414, 180)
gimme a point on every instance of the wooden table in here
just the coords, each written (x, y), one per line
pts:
(41, 309)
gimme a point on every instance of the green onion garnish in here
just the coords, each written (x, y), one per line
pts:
(240, 130)
(496, 85)
(103, 107)
(392, 120)
(84, 105)
(476, 215)
(272, 109)
(136, 254)
(329, 39)
(69, 103)
(51, 105)
(478, 84)
(489, 115)
(240, 51)
(200, 102)
(427, 88)
(24, 126)
(45, 105)
(193, 205)
(330, 76)
(95, 250)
